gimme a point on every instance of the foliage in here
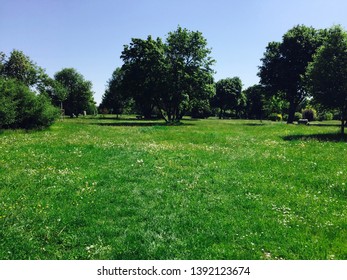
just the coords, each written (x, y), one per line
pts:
(328, 116)
(255, 96)
(143, 73)
(275, 104)
(189, 73)
(115, 99)
(275, 117)
(284, 63)
(327, 74)
(19, 66)
(168, 76)
(297, 116)
(22, 108)
(228, 96)
(200, 109)
(310, 114)
(74, 92)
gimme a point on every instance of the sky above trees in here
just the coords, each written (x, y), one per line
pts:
(90, 35)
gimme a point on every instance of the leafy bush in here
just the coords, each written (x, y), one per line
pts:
(275, 117)
(297, 116)
(201, 109)
(22, 108)
(309, 114)
(325, 116)
(328, 116)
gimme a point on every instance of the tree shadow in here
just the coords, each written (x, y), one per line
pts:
(254, 124)
(325, 124)
(327, 137)
(141, 124)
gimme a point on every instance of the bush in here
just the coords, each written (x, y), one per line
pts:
(328, 116)
(201, 109)
(22, 108)
(297, 116)
(325, 116)
(275, 117)
(309, 114)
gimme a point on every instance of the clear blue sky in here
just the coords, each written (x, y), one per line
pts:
(89, 35)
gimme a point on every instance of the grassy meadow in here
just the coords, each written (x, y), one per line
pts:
(101, 188)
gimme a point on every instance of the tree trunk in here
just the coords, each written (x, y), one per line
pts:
(291, 112)
(342, 126)
(343, 119)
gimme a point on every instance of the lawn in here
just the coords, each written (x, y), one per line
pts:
(206, 189)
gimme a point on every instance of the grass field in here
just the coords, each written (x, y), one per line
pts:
(207, 189)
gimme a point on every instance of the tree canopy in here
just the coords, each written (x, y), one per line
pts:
(115, 98)
(170, 75)
(284, 64)
(228, 95)
(327, 73)
(79, 92)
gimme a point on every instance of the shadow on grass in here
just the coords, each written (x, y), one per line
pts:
(141, 124)
(325, 124)
(330, 137)
(254, 124)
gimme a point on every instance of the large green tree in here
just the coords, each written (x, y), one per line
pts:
(143, 73)
(255, 96)
(169, 76)
(22, 108)
(189, 76)
(115, 97)
(79, 92)
(228, 95)
(20, 67)
(284, 64)
(327, 74)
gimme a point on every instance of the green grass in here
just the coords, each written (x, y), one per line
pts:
(207, 189)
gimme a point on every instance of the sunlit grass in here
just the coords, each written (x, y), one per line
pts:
(207, 189)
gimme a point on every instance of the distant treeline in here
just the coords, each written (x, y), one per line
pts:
(304, 75)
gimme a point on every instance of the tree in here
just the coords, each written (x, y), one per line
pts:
(285, 63)
(228, 95)
(168, 76)
(143, 73)
(327, 73)
(19, 66)
(255, 96)
(189, 72)
(22, 108)
(79, 92)
(115, 98)
(2, 61)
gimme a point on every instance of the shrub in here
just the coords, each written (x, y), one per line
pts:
(275, 117)
(201, 109)
(297, 116)
(328, 116)
(309, 114)
(22, 108)
(325, 116)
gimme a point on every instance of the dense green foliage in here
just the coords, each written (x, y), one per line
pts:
(207, 189)
(167, 79)
(115, 99)
(20, 67)
(229, 96)
(284, 63)
(77, 96)
(327, 74)
(22, 108)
